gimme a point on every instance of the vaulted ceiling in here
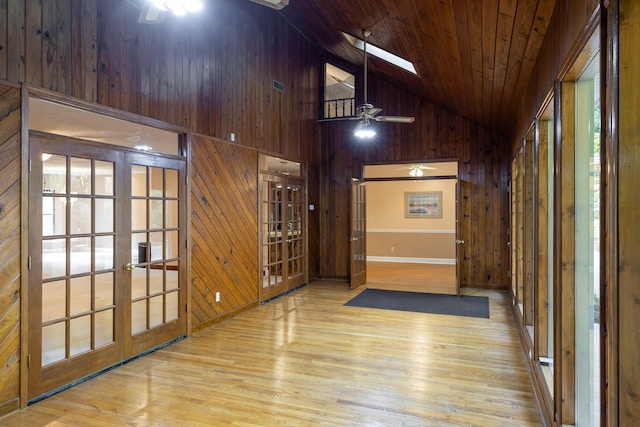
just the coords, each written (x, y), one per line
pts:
(474, 57)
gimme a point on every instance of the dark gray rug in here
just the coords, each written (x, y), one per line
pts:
(466, 305)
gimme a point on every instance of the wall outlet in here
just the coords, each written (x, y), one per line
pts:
(217, 296)
(393, 249)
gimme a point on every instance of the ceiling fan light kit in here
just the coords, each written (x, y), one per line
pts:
(364, 130)
(154, 11)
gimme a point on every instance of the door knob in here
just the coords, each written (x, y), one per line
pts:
(459, 241)
(128, 266)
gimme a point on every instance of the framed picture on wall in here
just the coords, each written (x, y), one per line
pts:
(423, 204)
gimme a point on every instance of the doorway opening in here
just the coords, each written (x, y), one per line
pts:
(412, 233)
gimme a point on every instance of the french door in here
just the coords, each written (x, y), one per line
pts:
(358, 246)
(283, 244)
(106, 269)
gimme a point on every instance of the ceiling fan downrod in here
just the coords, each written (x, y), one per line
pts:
(365, 35)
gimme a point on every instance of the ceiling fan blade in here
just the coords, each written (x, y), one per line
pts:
(337, 119)
(394, 119)
(373, 111)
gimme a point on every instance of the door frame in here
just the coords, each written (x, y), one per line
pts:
(184, 152)
(288, 283)
(358, 234)
(459, 238)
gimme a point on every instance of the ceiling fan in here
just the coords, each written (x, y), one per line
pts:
(367, 112)
(416, 169)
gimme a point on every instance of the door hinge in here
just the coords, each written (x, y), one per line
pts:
(186, 244)
(186, 180)
(28, 263)
(28, 360)
(29, 165)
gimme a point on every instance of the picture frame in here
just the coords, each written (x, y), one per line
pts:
(425, 204)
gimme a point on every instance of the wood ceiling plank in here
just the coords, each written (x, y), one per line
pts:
(520, 36)
(517, 84)
(472, 57)
(459, 10)
(452, 51)
(474, 14)
(506, 14)
(489, 23)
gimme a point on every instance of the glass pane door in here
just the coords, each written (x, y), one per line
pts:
(73, 292)
(156, 255)
(107, 268)
(358, 234)
(296, 231)
(274, 236)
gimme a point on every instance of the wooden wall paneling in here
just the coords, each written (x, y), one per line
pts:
(466, 192)
(225, 228)
(520, 228)
(4, 25)
(531, 26)
(10, 253)
(15, 41)
(473, 204)
(33, 40)
(513, 233)
(499, 212)
(438, 135)
(542, 242)
(609, 318)
(56, 46)
(566, 282)
(481, 223)
(568, 21)
(86, 50)
(628, 216)
(529, 231)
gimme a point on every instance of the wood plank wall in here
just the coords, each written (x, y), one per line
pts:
(213, 76)
(569, 20)
(224, 218)
(10, 219)
(436, 134)
(628, 268)
(621, 175)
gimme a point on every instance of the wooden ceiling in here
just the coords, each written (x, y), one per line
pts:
(474, 57)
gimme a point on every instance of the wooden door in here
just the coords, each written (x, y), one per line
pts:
(81, 301)
(284, 231)
(459, 241)
(358, 234)
(274, 236)
(296, 232)
(155, 270)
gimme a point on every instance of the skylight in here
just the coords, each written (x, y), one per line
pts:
(381, 53)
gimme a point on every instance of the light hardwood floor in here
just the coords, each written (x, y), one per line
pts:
(305, 359)
(411, 277)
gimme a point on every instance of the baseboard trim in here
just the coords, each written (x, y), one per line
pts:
(447, 261)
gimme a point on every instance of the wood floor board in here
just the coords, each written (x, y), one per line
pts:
(412, 277)
(305, 359)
